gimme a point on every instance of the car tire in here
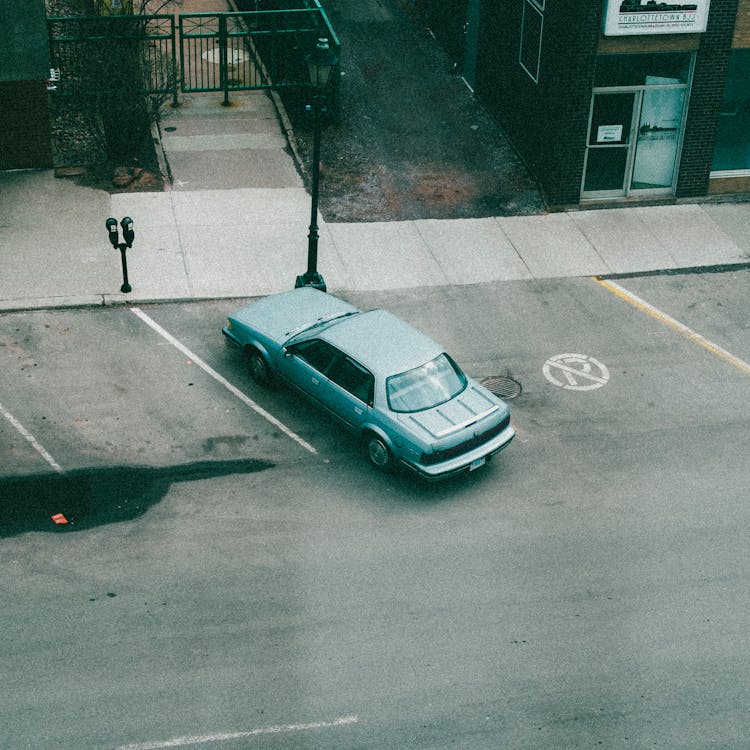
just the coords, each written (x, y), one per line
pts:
(258, 367)
(378, 453)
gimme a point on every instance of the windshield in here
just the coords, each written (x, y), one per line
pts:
(307, 328)
(426, 386)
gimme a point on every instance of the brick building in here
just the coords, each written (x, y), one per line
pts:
(612, 100)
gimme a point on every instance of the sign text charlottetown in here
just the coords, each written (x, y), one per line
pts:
(652, 17)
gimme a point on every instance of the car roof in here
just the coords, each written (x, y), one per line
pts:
(380, 341)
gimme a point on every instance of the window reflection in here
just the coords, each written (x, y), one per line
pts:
(732, 149)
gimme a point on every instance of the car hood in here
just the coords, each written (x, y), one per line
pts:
(282, 316)
(459, 414)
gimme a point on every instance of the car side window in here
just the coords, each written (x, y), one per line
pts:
(316, 353)
(353, 378)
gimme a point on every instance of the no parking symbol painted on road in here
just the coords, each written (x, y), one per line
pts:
(576, 372)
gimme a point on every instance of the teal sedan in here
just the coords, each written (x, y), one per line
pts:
(396, 388)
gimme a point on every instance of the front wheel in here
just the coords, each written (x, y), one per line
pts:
(258, 368)
(379, 454)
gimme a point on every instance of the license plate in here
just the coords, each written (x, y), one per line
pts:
(477, 464)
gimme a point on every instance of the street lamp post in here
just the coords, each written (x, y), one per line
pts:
(321, 64)
(128, 235)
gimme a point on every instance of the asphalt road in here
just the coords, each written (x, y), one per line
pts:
(589, 589)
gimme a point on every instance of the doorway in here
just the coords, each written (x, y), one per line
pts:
(634, 139)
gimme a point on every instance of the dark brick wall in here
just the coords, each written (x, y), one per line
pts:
(568, 62)
(24, 124)
(705, 99)
(547, 121)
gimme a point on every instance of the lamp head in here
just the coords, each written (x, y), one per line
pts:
(320, 64)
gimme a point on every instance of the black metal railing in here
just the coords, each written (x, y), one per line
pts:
(255, 49)
(97, 54)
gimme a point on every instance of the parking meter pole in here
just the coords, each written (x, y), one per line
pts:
(125, 285)
(114, 237)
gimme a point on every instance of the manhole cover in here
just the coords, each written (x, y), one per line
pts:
(502, 386)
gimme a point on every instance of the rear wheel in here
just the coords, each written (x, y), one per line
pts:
(258, 367)
(378, 452)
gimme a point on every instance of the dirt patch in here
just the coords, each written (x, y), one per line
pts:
(79, 155)
(406, 138)
(78, 149)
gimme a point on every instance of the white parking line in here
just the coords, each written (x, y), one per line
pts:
(35, 444)
(220, 379)
(226, 736)
(668, 320)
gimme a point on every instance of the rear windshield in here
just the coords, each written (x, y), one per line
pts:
(426, 386)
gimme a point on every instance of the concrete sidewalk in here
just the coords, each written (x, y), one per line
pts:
(235, 224)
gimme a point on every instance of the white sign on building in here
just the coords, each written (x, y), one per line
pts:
(651, 17)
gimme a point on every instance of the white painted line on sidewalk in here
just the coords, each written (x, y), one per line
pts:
(226, 736)
(35, 444)
(222, 380)
(654, 312)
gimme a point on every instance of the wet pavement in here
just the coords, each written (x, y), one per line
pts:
(412, 142)
(84, 499)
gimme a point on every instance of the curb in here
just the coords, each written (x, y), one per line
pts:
(161, 156)
(286, 125)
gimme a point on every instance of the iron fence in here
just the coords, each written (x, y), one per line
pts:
(96, 55)
(155, 54)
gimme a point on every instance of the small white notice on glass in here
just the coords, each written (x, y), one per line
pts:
(609, 133)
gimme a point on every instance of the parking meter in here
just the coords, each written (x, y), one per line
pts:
(111, 225)
(127, 231)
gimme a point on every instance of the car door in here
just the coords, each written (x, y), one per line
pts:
(304, 365)
(350, 390)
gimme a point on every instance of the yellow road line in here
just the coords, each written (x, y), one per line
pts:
(686, 331)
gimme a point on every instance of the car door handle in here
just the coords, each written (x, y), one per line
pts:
(315, 381)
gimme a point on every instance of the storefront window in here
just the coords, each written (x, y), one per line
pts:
(637, 70)
(732, 150)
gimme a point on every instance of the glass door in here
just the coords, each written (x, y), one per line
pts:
(609, 144)
(658, 139)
